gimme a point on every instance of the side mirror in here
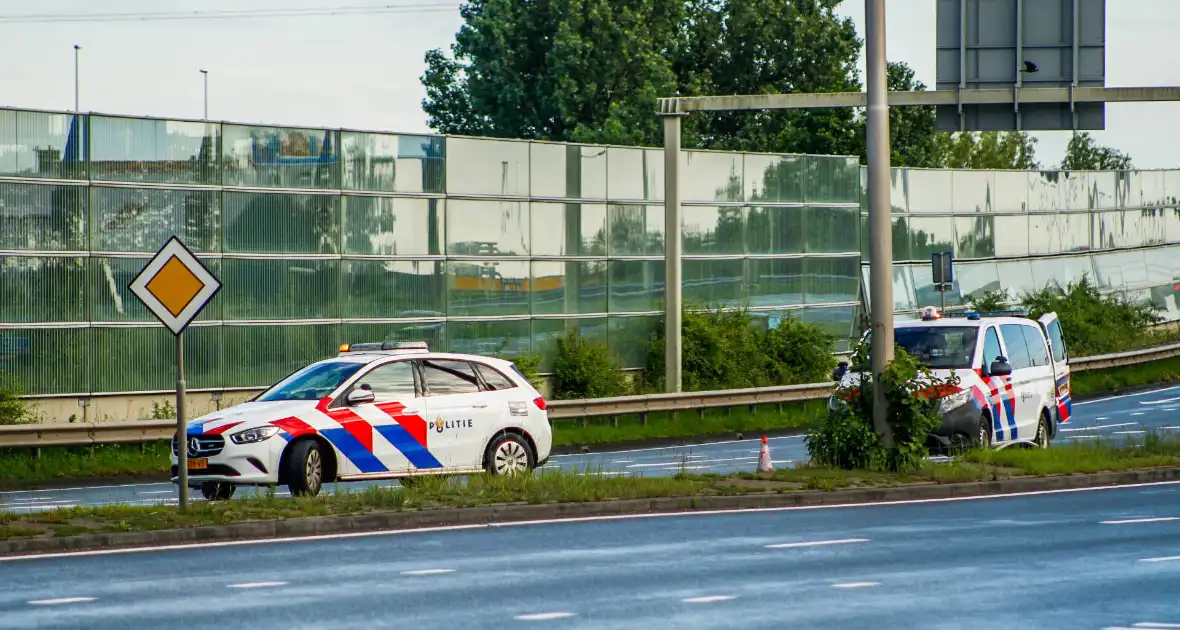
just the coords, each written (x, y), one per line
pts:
(1001, 368)
(360, 396)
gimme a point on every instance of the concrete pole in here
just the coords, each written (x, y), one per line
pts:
(76, 49)
(880, 209)
(673, 300)
(205, 76)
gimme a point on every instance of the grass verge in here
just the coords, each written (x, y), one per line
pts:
(1096, 382)
(556, 486)
(23, 466)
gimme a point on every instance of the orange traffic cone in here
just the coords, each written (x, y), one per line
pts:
(764, 464)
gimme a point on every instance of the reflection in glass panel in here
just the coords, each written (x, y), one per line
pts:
(386, 162)
(41, 144)
(1073, 191)
(567, 170)
(929, 191)
(1061, 271)
(146, 150)
(144, 359)
(1163, 265)
(974, 191)
(711, 176)
(506, 339)
(925, 292)
(1058, 233)
(43, 216)
(279, 289)
(281, 223)
(1116, 229)
(634, 174)
(46, 360)
(1147, 189)
(393, 289)
(630, 338)
(487, 228)
(897, 183)
(975, 279)
(1012, 235)
(712, 229)
(829, 280)
(1120, 270)
(393, 226)
(487, 167)
(714, 282)
(110, 296)
(1045, 191)
(1016, 277)
(901, 238)
(975, 236)
(1103, 189)
(830, 229)
(773, 178)
(1012, 191)
(568, 229)
(776, 281)
(636, 230)
(836, 321)
(546, 333)
(280, 158)
(930, 235)
(568, 286)
(487, 287)
(775, 230)
(42, 289)
(831, 179)
(433, 331)
(903, 288)
(143, 219)
(261, 355)
(1171, 220)
(636, 286)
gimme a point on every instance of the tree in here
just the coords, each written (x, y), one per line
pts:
(1084, 154)
(913, 139)
(988, 150)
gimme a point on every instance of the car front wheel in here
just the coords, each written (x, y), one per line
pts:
(509, 454)
(217, 491)
(1043, 432)
(304, 468)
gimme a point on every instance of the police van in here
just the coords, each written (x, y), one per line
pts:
(1013, 375)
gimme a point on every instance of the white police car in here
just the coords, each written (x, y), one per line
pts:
(1013, 375)
(376, 411)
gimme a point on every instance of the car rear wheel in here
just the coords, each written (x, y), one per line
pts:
(304, 468)
(508, 454)
(984, 437)
(1043, 431)
(217, 491)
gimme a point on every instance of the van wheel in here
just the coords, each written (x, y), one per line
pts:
(1042, 438)
(507, 454)
(984, 437)
(304, 468)
(217, 491)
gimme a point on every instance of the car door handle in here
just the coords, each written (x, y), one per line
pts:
(409, 412)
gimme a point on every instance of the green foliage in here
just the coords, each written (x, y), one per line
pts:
(530, 366)
(1094, 323)
(990, 301)
(13, 410)
(1095, 382)
(987, 150)
(723, 350)
(166, 411)
(1084, 154)
(585, 369)
(847, 439)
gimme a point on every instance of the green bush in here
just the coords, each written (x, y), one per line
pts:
(1094, 323)
(798, 352)
(990, 301)
(584, 368)
(846, 439)
(13, 410)
(529, 366)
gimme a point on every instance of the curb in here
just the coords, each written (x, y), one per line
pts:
(393, 521)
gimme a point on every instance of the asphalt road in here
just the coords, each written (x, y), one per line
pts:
(1077, 560)
(1119, 417)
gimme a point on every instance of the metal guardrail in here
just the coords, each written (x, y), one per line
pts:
(86, 434)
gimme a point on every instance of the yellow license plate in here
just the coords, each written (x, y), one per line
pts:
(200, 463)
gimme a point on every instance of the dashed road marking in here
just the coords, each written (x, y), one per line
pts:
(428, 572)
(61, 600)
(1129, 521)
(258, 585)
(856, 585)
(708, 599)
(1156, 624)
(1129, 432)
(549, 616)
(1102, 426)
(1158, 402)
(817, 543)
(1160, 559)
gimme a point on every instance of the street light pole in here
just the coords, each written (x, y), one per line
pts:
(880, 209)
(205, 76)
(76, 49)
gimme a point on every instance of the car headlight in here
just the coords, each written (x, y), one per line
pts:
(954, 401)
(250, 436)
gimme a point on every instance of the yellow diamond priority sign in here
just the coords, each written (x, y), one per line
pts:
(175, 286)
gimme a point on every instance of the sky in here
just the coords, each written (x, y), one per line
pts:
(361, 71)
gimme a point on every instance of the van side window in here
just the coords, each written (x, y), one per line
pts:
(991, 347)
(1058, 341)
(1037, 350)
(1017, 347)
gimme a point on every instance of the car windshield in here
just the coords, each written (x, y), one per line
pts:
(312, 382)
(939, 347)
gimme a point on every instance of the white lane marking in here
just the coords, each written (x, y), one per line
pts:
(576, 519)
(685, 446)
(61, 600)
(1102, 418)
(1156, 624)
(656, 465)
(1158, 402)
(257, 585)
(158, 492)
(1102, 426)
(817, 543)
(1129, 521)
(549, 616)
(856, 585)
(126, 485)
(1081, 437)
(428, 572)
(1109, 398)
(622, 461)
(708, 599)
(1171, 408)
(41, 508)
(1160, 559)
(1172, 428)
(1128, 432)
(1137, 413)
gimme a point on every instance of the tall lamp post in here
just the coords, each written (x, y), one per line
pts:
(76, 49)
(205, 77)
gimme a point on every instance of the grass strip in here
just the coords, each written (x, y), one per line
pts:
(560, 486)
(1097, 382)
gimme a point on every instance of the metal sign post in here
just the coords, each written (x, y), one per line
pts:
(943, 270)
(175, 286)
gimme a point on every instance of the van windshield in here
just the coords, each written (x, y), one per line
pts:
(938, 347)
